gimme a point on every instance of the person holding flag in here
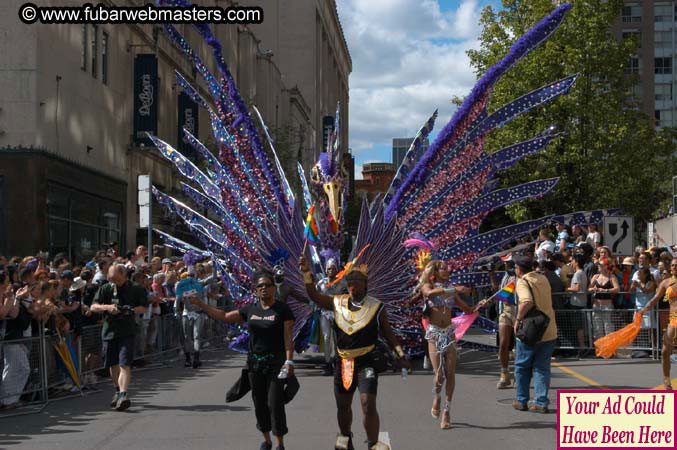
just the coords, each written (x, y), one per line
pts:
(507, 308)
(440, 299)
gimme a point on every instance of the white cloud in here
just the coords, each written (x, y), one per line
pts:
(408, 59)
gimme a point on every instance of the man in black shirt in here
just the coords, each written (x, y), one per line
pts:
(120, 301)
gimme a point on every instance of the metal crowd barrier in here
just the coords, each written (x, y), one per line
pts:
(39, 372)
(577, 329)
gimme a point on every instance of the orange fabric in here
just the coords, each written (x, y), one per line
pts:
(673, 319)
(347, 370)
(606, 346)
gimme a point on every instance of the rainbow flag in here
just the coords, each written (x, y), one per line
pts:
(507, 294)
(311, 232)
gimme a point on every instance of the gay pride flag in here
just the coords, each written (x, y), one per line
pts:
(311, 232)
(507, 294)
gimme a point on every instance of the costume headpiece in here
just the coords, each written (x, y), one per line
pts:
(427, 248)
(351, 266)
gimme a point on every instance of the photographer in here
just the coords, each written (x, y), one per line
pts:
(120, 300)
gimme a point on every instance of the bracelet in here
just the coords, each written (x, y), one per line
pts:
(399, 351)
(289, 362)
(450, 290)
(308, 278)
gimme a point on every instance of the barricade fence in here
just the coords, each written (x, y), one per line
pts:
(37, 368)
(39, 373)
(579, 327)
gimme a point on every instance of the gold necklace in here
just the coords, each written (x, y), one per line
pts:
(364, 311)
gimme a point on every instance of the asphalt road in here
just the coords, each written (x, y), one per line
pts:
(179, 408)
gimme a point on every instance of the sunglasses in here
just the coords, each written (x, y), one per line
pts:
(264, 285)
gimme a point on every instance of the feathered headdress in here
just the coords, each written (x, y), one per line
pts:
(277, 257)
(427, 247)
(352, 266)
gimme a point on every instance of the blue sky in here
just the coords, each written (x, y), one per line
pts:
(408, 59)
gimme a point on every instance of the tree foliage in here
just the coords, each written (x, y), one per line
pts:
(611, 156)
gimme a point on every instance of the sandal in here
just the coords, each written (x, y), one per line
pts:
(446, 420)
(667, 384)
(435, 412)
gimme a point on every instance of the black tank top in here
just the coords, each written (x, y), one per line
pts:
(604, 295)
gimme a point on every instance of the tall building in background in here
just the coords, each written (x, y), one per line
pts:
(77, 100)
(400, 147)
(307, 42)
(654, 23)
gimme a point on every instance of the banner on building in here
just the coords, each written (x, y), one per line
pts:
(145, 97)
(188, 119)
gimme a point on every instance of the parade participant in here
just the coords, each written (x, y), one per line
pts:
(270, 323)
(327, 317)
(120, 300)
(358, 320)
(506, 321)
(667, 291)
(191, 318)
(439, 303)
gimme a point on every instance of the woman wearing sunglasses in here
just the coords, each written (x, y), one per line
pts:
(270, 325)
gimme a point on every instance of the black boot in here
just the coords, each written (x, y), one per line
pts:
(187, 363)
(196, 360)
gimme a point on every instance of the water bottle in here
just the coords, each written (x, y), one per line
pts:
(283, 373)
(404, 374)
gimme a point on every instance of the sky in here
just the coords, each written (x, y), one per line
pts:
(408, 59)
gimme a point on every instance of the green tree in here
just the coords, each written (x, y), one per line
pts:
(611, 156)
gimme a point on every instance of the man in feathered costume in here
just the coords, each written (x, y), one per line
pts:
(359, 320)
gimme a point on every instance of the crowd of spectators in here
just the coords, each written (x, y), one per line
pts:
(53, 296)
(584, 274)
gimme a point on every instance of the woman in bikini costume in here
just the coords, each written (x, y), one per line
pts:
(440, 299)
(667, 290)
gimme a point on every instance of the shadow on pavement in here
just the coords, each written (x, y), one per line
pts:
(74, 414)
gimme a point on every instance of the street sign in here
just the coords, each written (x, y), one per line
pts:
(618, 234)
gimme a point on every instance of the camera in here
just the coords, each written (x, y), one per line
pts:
(126, 310)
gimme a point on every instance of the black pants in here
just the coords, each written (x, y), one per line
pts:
(268, 396)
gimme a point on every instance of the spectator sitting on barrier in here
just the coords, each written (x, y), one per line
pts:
(17, 322)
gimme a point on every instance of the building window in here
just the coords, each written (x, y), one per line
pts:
(664, 117)
(79, 223)
(663, 91)
(85, 46)
(95, 50)
(632, 68)
(104, 57)
(632, 13)
(663, 66)
(662, 12)
(663, 39)
(635, 35)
